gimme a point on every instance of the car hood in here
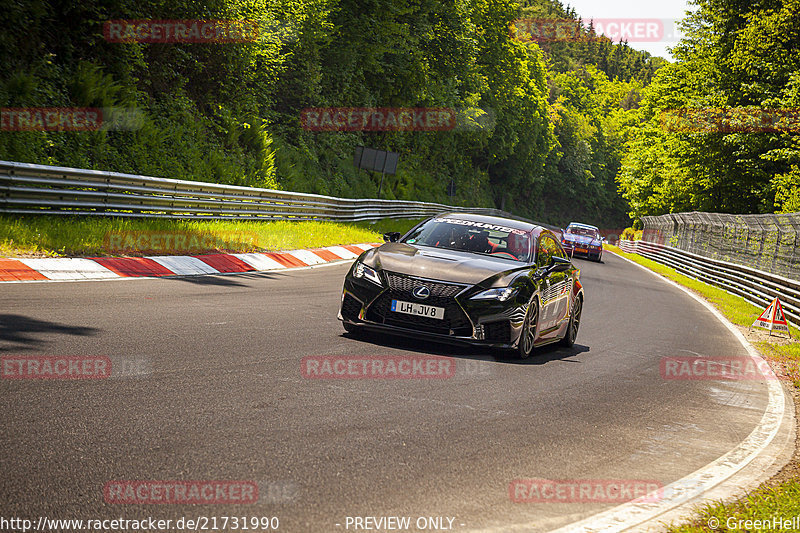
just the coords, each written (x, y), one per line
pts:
(438, 263)
(581, 239)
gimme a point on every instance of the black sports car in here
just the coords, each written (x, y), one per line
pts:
(467, 278)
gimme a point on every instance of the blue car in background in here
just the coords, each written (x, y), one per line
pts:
(583, 240)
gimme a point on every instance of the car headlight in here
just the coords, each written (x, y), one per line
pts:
(501, 294)
(363, 271)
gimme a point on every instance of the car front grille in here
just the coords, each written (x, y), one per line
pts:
(403, 283)
(455, 321)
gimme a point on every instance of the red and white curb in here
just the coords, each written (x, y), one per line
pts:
(96, 268)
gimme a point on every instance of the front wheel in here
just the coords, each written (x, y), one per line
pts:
(528, 336)
(574, 323)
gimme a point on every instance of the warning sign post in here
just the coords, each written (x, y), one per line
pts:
(773, 319)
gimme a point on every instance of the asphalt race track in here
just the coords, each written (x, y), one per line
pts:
(211, 389)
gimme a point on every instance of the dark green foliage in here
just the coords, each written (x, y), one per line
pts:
(615, 60)
(230, 113)
(735, 55)
(201, 106)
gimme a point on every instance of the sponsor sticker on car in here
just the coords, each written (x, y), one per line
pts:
(411, 308)
(482, 225)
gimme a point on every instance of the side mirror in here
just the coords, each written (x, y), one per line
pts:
(559, 264)
(392, 236)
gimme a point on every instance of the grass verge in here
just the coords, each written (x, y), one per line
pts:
(57, 236)
(758, 510)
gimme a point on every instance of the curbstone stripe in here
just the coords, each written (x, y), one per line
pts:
(94, 268)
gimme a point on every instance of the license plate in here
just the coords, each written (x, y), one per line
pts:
(581, 250)
(412, 308)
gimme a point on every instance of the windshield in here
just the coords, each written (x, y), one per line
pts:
(476, 237)
(586, 232)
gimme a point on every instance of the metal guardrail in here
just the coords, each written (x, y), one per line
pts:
(40, 189)
(767, 242)
(756, 286)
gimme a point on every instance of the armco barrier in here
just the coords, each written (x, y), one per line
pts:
(40, 189)
(767, 242)
(755, 286)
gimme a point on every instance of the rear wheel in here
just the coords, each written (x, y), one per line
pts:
(528, 336)
(574, 323)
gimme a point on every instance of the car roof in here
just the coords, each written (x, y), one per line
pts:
(502, 221)
(580, 225)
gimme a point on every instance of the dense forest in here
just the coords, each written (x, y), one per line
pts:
(554, 131)
(738, 58)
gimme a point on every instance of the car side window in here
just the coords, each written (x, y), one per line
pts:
(548, 248)
(544, 251)
(559, 251)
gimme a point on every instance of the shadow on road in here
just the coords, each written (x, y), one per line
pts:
(26, 331)
(231, 280)
(542, 355)
(551, 352)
